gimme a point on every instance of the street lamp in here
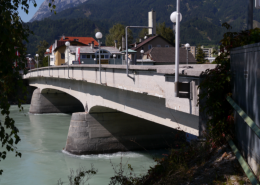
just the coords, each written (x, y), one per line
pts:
(187, 46)
(95, 60)
(99, 36)
(145, 37)
(30, 62)
(37, 62)
(176, 18)
(67, 44)
(47, 50)
(142, 53)
(114, 58)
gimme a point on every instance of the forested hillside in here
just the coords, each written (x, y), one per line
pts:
(201, 22)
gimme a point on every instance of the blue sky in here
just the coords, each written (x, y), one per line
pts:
(26, 17)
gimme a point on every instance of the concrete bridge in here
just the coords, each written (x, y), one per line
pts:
(122, 112)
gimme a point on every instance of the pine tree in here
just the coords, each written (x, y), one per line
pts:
(200, 56)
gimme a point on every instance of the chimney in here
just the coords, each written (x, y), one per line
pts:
(115, 43)
(152, 22)
(123, 43)
(92, 45)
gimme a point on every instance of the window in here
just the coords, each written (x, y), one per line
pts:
(93, 56)
(62, 55)
(102, 56)
(111, 56)
(150, 46)
(88, 56)
(104, 51)
(51, 59)
(158, 45)
(166, 46)
(83, 56)
(118, 56)
(106, 56)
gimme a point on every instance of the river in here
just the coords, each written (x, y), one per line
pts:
(43, 162)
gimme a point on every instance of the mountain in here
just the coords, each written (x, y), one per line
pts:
(44, 10)
(201, 24)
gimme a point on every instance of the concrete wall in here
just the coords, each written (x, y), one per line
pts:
(53, 101)
(106, 132)
(245, 67)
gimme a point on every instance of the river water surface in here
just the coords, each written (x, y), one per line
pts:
(43, 161)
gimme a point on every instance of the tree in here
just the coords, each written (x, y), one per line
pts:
(13, 34)
(200, 56)
(116, 33)
(44, 62)
(142, 34)
(42, 49)
(165, 32)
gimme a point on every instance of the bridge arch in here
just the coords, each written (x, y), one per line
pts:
(52, 100)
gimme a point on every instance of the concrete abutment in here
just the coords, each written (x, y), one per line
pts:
(107, 132)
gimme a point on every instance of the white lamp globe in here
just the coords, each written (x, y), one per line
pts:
(174, 16)
(98, 35)
(145, 37)
(37, 55)
(142, 51)
(30, 59)
(47, 50)
(114, 56)
(187, 45)
(67, 43)
(95, 59)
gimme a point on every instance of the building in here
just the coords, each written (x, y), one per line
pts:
(193, 49)
(57, 49)
(90, 55)
(149, 43)
(165, 56)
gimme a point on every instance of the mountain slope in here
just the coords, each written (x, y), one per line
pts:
(44, 10)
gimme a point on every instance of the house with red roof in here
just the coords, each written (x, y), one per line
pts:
(57, 49)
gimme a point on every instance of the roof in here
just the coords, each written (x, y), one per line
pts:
(50, 48)
(129, 51)
(163, 54)
(62, 43)
(148, 40)
(88, 49)
(84, 40)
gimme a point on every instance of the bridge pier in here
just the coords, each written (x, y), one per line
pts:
(107, 132)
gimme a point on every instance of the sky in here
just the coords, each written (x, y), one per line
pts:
(32, 10)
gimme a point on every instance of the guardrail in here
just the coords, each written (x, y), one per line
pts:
(256, 130)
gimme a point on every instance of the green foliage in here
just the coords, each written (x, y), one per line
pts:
(43, 45)
(44, 62)
(165, 32)
(116, 33)
(12, 35)
(81, 176)
(200, 56)
(217, 85)
(142, 34)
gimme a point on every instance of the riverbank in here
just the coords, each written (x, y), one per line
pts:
(194, 165)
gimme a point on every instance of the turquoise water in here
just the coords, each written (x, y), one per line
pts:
(43, 161)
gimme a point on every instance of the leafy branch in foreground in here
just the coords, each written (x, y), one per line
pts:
(217, 85)
(12, 35)
(81, 176)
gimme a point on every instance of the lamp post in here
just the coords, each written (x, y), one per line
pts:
(99, 36)
(176, 18)
(95, 60)
(142, 53)
(187, 45)
(37, 62)
(114, 56)
(67, 44)
(30, 62)
(47, 50)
